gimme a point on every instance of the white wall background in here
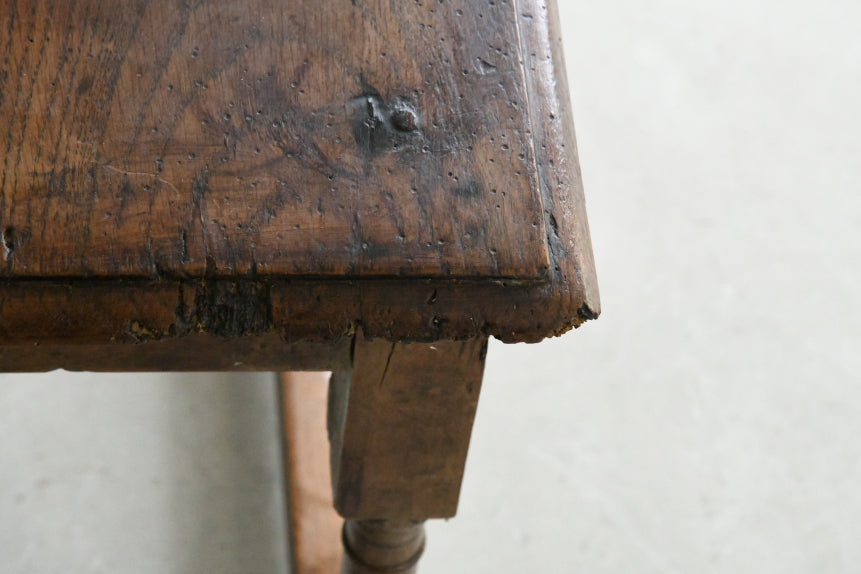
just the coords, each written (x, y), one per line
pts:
(709, 422)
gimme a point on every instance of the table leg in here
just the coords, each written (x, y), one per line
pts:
(314, 526)
(373, 546)
(399, 427)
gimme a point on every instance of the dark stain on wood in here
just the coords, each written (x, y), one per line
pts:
(225, 309)
(472, 190)
(7, 237)
(586, 313)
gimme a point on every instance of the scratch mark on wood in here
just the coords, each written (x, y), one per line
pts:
(139, 173)
(388, 362)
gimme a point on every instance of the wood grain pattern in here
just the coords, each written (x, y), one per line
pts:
(194, 352)
(221, 138)
(314, 526)
(399, 427)
(104, 310)
(221, 184)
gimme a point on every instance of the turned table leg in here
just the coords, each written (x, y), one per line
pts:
(372, 546)
(399, 427)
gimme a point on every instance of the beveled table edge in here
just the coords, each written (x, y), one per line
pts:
(138, 311)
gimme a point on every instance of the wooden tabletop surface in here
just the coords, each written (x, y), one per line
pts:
(406, 166)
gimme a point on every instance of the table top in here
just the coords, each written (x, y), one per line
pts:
(408, 167)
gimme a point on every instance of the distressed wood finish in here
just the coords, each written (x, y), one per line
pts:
(282, 138)
(465, 262)
(195, 352)
(399, 425)
(369, 186)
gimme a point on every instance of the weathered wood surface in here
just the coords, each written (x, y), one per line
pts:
(50, 217)
(194, 352)
(399, 427)
(314, 526)
(146, 138)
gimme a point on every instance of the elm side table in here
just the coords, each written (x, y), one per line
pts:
(366, 187)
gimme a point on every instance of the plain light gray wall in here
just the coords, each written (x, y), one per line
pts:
(710, 420)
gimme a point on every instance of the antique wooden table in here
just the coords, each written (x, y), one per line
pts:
(368, 187)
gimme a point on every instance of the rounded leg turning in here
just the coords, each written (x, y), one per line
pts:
(382, 546)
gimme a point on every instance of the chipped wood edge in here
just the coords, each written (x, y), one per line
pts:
(314, 526)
